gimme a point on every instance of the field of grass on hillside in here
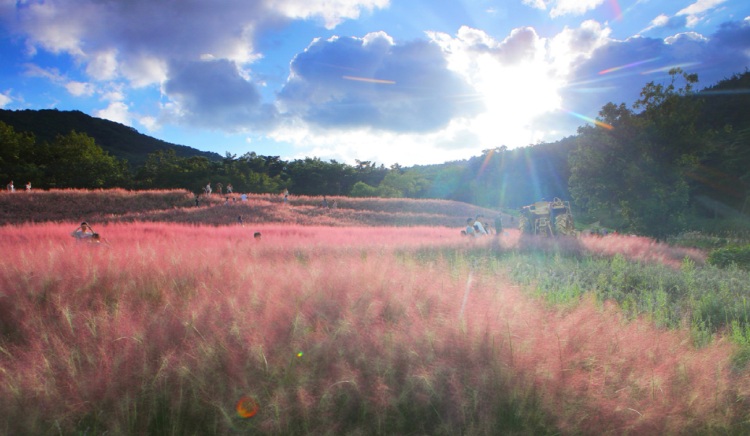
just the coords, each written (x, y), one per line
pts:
(352, 330)
(118, 205)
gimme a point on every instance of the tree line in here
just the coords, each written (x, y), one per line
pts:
(675, 156)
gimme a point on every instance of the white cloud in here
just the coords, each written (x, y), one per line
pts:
(572, 46)
(564, 7)
(117, 111)
(539, 4)
(332, 12)
(659, 21)
(700, 6)
(51, 74)
(103, 66)
(79, 88)
(5, 99)
(692, 21)
(113, 95)
(573, 7)
(150, 123)
(248, 140)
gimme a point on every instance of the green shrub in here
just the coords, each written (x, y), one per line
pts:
(739, 255)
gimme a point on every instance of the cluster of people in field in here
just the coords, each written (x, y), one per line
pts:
(84, 233)
(476, 228)
(11, 188)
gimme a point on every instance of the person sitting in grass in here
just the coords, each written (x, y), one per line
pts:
(478, 229)
(469, 227)
(240, 221)
(257, 236)
(97, 239)
(83, 232)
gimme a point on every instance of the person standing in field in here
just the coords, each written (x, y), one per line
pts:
(10, 187)
(499, 224)
(83, 232)
(240, 221)
(335, 205)
(220, 187)
(229, 188)
(28, 187)
(286, 196)
(208, 189)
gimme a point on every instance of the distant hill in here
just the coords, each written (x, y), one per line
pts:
(117, 139)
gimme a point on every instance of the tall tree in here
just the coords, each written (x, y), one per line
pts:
(638, 162)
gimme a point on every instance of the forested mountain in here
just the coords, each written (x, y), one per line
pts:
(118, 140)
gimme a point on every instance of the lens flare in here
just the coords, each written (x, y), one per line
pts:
(589, 119)
(300, 354)
(667, 68)
(247, 407)
(616, 9)
(364, 79)
(484, 165)
(628, 65)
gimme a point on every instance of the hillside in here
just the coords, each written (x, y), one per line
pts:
(119, 140)
(178, 206)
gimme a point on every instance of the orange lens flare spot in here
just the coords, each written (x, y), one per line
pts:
(247, 407)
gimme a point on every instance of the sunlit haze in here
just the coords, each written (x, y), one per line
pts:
(413, 82)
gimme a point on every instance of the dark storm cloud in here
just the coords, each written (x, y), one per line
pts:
(725, 52)
(214, 95)
(424, 94)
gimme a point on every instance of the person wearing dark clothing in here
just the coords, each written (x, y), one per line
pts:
(499, 224)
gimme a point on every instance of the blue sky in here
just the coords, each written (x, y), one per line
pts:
(413, 82)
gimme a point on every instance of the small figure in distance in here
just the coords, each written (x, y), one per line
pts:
(243, 197)
(28, 187)
(97, 239)
(240, 222)
(84, 231)
(478, 226)
(325, 203)
(229, 188)
(208, 189)
(226, 202)
(286, 196)
(469, 227)
(499, 224)
(197, 199)
(257, 236)
(10, 187)
(220, 186)
(335, 205)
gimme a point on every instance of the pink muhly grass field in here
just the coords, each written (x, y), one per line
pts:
(333, 330)
(636, 248)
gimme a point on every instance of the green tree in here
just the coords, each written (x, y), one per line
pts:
(76, 161)
(639, 162)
